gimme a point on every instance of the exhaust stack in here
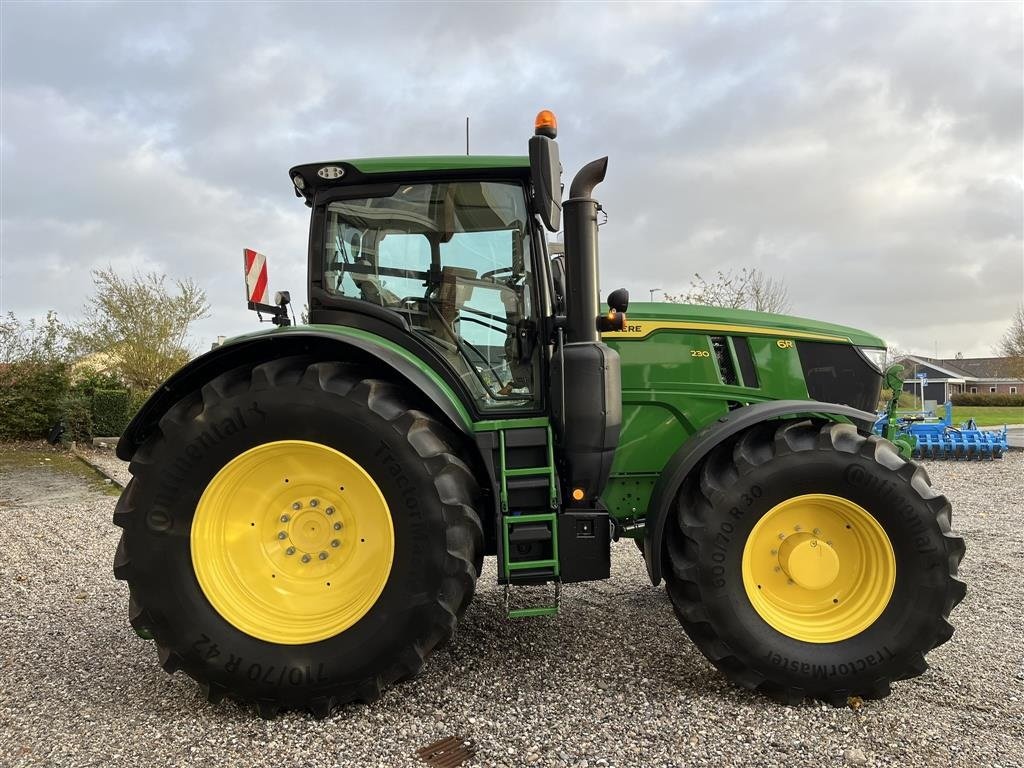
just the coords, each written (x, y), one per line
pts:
(581, 265)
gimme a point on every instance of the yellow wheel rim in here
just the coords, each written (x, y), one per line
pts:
(292, 542)
(819, 568)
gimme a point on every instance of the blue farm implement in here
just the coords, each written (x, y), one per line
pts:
(922, 436)
(925, 438)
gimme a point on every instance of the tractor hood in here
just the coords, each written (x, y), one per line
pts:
(646, 318)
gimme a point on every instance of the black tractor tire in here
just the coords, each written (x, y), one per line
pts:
(746, 477)
(430, 491)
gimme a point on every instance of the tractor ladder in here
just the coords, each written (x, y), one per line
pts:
(528, 529)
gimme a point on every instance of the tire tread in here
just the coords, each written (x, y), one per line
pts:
(454, 483)
(751, 448)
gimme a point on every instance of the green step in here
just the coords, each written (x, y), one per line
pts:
(535, 610)
(525, 565)
(549, 471)
(527, 472)
(508, 521)
(526, 613)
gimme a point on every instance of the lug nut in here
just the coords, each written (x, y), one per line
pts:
(297, 505)
(335, 543)
(323, 555)
(775, 552)
(337, 526)
(306, 558)
(285, 518)
(817, 531)
(314, 502)
(290, 551)
(329, 510)
(796, 527)
(282, 535)
(782, 536)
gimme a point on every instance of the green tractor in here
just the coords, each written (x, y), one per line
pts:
(311, 505)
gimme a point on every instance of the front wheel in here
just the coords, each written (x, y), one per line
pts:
(298, 534)
(810, 560)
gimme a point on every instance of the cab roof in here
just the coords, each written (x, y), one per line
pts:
(315, 176)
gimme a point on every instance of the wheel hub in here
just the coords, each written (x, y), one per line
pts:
(292, 542)
(310, 531)
(810, 562)
(818, 568)
(307, 542)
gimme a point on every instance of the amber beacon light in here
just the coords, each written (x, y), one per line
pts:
(546, 124)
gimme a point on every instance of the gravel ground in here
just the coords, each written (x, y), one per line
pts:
(611, 681)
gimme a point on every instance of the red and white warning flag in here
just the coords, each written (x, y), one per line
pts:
(255, 276)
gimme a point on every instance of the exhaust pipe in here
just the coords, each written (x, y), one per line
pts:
(581, 266)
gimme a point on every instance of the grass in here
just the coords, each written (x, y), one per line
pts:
(986, 416)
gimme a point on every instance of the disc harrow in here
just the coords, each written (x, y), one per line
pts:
(941, 440)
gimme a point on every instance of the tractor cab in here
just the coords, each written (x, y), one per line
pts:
(453, 251)
(453, 260)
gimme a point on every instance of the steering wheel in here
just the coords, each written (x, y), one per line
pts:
(493, 273)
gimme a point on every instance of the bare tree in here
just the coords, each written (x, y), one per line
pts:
(746, 289)
(1012, 343)
(767, 294)
(893, 354)
(140, 325)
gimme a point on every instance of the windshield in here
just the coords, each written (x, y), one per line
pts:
(453, 258)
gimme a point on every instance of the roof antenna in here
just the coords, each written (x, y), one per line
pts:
(467, 134)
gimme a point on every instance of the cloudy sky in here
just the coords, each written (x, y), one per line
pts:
(868, 155)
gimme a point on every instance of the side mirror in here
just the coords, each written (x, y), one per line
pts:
(618, 300)
(894, 378)
(546, 172)
(615, 320)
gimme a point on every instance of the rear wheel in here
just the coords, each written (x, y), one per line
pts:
(810, 560)
(298, 535)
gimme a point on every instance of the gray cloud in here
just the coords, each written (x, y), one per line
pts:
(871, 156)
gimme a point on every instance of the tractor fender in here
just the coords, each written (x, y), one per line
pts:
(692, 452)
(334, 343)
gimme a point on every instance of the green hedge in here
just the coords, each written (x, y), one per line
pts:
(87, 382)
(138, 399)
(111, 412)
(31, 394)
(987, 399)
(76, 413)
